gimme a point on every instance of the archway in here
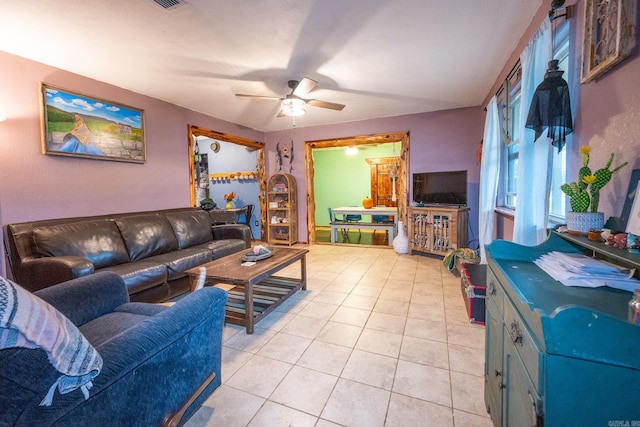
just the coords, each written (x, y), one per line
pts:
(403, 171)
(196, 131)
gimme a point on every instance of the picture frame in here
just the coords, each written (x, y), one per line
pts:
(633, 225)
(609, 35)
(77, 125)
(630, 203)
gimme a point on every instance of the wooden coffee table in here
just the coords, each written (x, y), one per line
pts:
(256, 291)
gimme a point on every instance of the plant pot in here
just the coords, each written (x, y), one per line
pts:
(229, 205)
(581, 222)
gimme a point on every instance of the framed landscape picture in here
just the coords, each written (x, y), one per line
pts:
(81, 126)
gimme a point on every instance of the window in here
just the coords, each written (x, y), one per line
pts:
(511, 149)
(511, 107)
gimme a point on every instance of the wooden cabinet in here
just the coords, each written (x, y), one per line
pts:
(557, 355)
(384, 171)
(437, 230)
(282, 212)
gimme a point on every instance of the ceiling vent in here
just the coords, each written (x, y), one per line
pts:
(169, 4)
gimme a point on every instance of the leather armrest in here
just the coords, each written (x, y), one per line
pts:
(40, 273)
(232, 231)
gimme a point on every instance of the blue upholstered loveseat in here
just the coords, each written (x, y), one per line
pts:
(157, 359)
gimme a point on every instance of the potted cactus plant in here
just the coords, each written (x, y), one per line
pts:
(584, 195)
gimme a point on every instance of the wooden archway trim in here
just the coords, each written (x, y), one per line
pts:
(194, 131)
(380, 138)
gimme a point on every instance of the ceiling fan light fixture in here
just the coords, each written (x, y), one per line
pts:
(293, 107)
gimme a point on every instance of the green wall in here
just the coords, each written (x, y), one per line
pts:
(341, 180)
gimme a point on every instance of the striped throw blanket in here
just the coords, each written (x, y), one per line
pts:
(29, 322)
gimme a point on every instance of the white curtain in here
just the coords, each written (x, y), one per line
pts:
(489, 168)
(534, 159)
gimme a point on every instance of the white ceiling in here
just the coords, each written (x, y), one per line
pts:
(381, 58)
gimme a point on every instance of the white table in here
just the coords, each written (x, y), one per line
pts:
(354, 210)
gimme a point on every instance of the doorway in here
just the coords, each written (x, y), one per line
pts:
(197, 169)
(357, 141)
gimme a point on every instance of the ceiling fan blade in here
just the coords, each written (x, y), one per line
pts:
(324, 104)
(259, 96)
(281, 114)
(305, 86)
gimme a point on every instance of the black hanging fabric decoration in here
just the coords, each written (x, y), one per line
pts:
(551, 108)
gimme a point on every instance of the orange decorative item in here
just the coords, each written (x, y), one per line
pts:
(367, 202)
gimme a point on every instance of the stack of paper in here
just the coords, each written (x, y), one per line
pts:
(572, 269)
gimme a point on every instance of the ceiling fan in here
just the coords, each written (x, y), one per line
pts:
(293, 104)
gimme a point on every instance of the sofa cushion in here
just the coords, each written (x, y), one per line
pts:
(104, 328)
(190, 227)
(141, 275)
(222, 248)
(147, 235)
(179, 261)
(98, 241)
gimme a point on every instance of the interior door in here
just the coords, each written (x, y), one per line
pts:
(384, 175)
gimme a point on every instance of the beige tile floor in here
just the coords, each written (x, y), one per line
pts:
(377, 339)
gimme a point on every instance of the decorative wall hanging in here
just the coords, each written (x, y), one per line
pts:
(284, 156)
(81, 126)
(609, 35)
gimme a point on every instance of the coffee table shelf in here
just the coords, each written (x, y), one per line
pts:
(255, 291)
(267, 295)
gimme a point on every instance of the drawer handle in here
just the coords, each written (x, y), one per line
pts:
(536, 419)
(501, 385)
(516, 333)
(491, 289)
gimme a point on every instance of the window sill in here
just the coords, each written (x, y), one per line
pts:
(504, 211)
(554, 221)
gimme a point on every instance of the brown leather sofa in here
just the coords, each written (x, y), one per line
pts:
(149, 250)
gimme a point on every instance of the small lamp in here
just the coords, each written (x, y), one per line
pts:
(293, 107)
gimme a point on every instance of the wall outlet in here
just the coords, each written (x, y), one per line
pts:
(257, 223)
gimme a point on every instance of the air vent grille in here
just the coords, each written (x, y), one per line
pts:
(168, 4)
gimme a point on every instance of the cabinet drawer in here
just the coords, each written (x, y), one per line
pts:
(494, 291)
(519, 336)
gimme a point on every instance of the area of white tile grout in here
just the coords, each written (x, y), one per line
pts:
(377, 339)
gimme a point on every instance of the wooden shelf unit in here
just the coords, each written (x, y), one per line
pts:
(282, 211)
(437, 230)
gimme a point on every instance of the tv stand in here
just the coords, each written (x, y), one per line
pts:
(440, 205)
(437, 229)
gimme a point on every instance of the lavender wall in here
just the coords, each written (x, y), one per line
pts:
(608, 119)
(440, 141)
(34, 186)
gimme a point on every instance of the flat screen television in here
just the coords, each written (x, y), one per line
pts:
(440, 188)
